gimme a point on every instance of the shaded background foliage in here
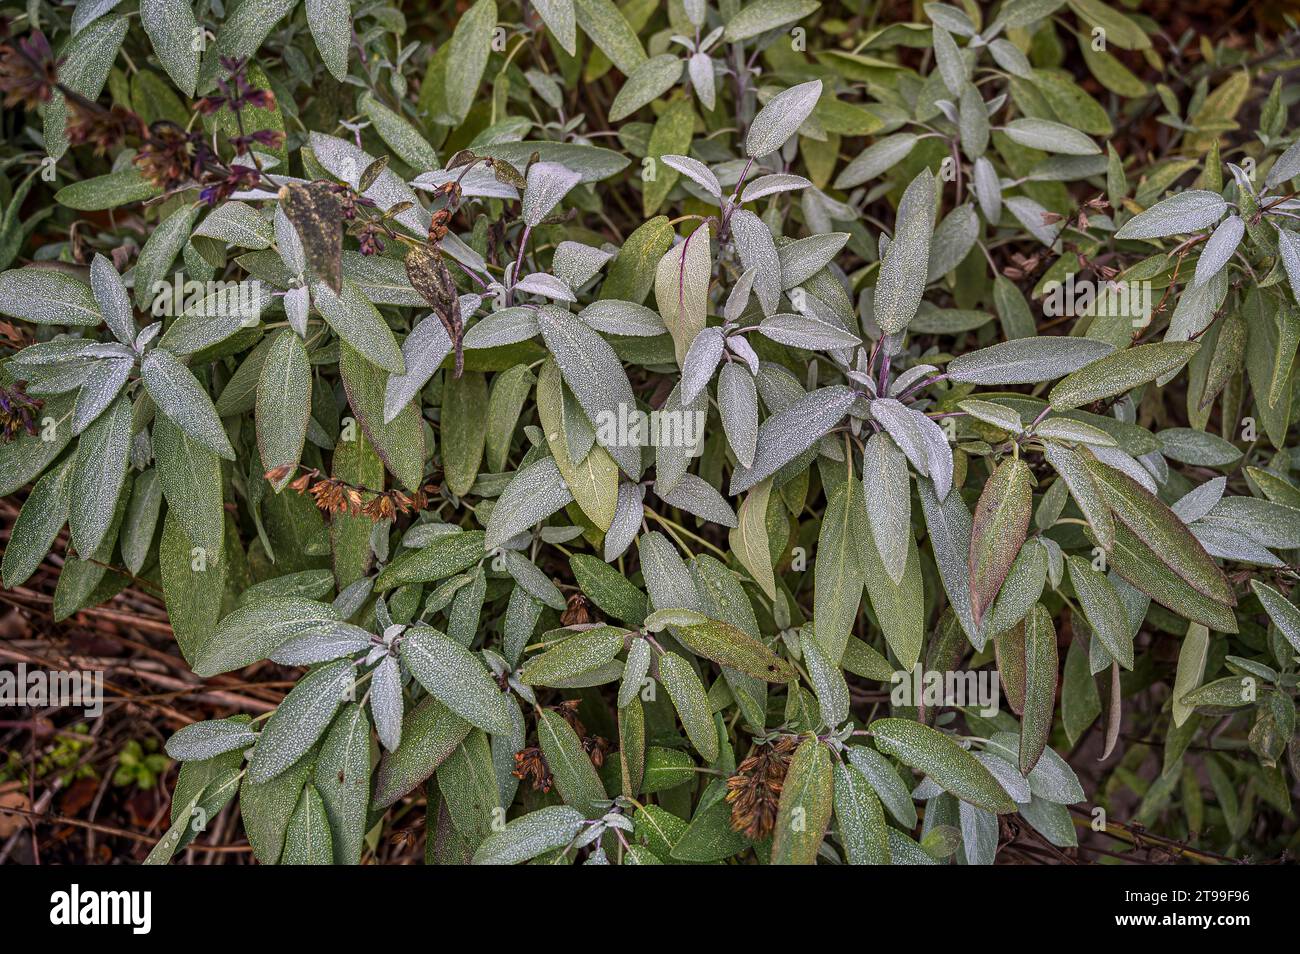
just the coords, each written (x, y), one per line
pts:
(396, 482)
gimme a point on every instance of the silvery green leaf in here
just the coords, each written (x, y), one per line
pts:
(594, 374)
(98, 476)
(628, 515)
(953, 239)
(738, 297)
(354, 319)
(904, 381)
(423, 351)
(948, 57)
(576, 263)
(646, 83)
(697, 497)
(289, 243)
(1280, 610)
(1288, 244)
(300, 720)
(1125, 463)
(47, 297)
(110, 294)
(738, 404)
(1102, 607)
(888, 502)
(701, 361)
(973, 123)
(1074, 432)
(1199, 501)
(1269, 523)
(667, 578)
(1034, 218)
(1181, 213)
(742, 349)
(181, 398)
(1189, 446)
(1229, 544)
(507, 326)
(634, 673)
(548, 286)
(979, 834)
(950, 18)
(1008, 56)
(1220, 248)
(237, 223)
(806, 331)
(530, 835)
(757, 251)
(533, 494)
(456, 678)
(561, 20)
(539, 586)
(398, 134)
(682, 288)
(901, 281)
(781, 118)
(696, 171)
(876, 159)
(548, 183)
(141, 518)
(1051, 779)
(786, 435)
(886, 783)
(700, 69)
(805, 257)
(751, 19)
(615, 317)
(995, 414)
(322, 643)
(1026, 360)
(205, 740)
(921, 439)
(468, 51)
(949, 523)
(171, 28)
(827, 680)
(330, 22)
(764, 186)
(104, 382)
(1050, 137)
(1286, 168)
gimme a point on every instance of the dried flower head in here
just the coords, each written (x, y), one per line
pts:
(754, 792)
(29, 73)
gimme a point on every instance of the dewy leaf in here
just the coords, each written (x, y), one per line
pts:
(901, 281)
(647, 83)
(179, 396)
(609, 30)
(949, 523)
(548, 184)
(533, 494)
(805, 807)
(681, 285)
(574, 775)
(47, 297)
(786, 435)
(1280, 610)
(757, 250)
(456, 677)
(1121, 372)
(999, 529)
(780, 118)
(1041, 674)
(749, 538)
(738, 405)
(1050, 137)
(283, 405)
(171, 29)
(751, 19)
(528, 836)
(921, 439)
(467, 56)
(859, 818)
(595, 375)
(691, 702)
(953, 768)
(728, 645)
(888, 502)
(1191, 669)
(423, 351)
(1155, 524)
(1103, 609)
(354, 319)
(1026, 360)
(1180, 214)
(300, 719)
(838, 570)
(98, 476)
(343, 781)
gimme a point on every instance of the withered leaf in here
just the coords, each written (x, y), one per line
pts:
(428, 275)
(372, 173)
(315, 211)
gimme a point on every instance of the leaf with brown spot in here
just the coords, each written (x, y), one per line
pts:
(316, 213)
